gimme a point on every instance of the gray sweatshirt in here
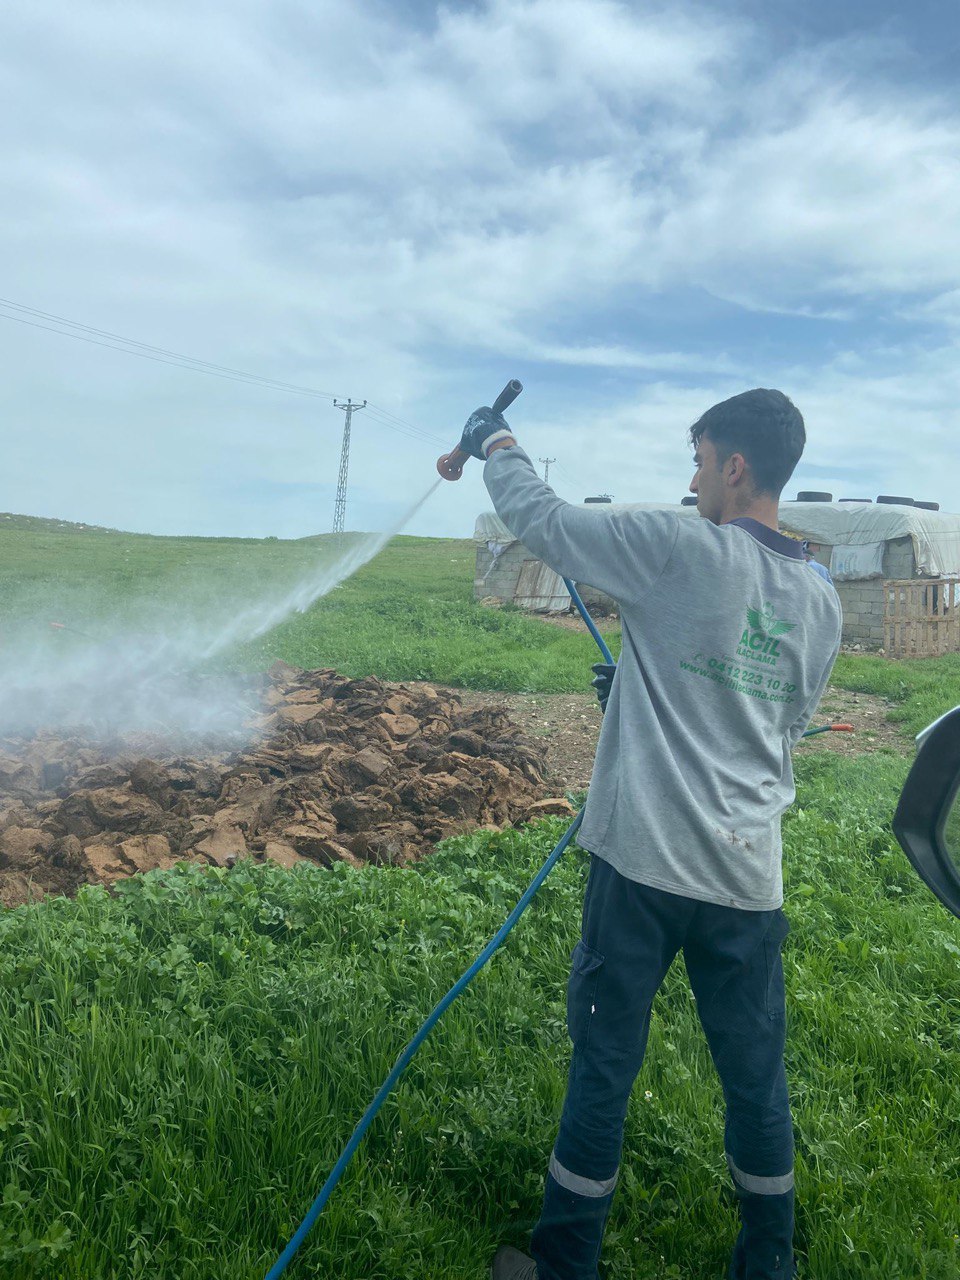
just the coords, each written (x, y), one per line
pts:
(728, 642)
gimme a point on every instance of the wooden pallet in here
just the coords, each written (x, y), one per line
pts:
(921, 617)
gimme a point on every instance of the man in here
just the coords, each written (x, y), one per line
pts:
(728, 641)
(820, 569)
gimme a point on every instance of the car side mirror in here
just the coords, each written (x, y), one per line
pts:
(927, 821)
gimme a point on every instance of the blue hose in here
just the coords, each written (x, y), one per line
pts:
(460, 985)
(591, 625)
(403, 1061)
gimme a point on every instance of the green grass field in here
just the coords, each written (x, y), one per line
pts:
(181, 1063)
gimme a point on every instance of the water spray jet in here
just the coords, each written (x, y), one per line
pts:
(145, 672)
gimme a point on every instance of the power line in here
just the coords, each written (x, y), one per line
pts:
(113, 347)
(584, 482)
(546, 468)
(146, 348)
(404, 428)
(402, 422)
(162, 355)
(568, 477)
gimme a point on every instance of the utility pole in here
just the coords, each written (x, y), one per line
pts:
(546, 468)
(340, 506)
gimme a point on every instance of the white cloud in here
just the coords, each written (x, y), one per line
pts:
(849, 196)
(335, 195)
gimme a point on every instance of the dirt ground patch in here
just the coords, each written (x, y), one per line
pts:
(335, 770)
(568, 725)
(607, 624)
(868, 714)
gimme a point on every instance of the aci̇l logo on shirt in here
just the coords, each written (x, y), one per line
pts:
(761, 637)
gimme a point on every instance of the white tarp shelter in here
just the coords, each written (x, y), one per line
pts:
(857, 533)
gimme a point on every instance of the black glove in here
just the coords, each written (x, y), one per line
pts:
(603, 681)
(484, 426)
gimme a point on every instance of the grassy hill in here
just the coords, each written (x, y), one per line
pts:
(11, 522)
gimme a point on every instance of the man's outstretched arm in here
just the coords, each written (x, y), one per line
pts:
(619, 552)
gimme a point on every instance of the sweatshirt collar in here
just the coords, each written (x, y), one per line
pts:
(778, 542)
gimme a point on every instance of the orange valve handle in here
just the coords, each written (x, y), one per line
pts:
(450, 465)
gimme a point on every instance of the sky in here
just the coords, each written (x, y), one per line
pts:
(636, 209)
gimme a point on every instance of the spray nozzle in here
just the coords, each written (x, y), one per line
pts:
(450, 465)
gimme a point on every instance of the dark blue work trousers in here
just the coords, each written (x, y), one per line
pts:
(631, 934)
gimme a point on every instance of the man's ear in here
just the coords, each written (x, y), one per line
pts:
(734, 469)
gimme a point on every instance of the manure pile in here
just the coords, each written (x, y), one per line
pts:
(334, 770)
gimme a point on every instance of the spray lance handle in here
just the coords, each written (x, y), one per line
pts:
(450, 465)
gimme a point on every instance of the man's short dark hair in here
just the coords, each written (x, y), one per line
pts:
(764, 426)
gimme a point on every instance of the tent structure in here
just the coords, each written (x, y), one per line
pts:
(506, 571)
(859, 536)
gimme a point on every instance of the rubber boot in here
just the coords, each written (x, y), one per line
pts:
(764, 1247)
(511, 1264)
